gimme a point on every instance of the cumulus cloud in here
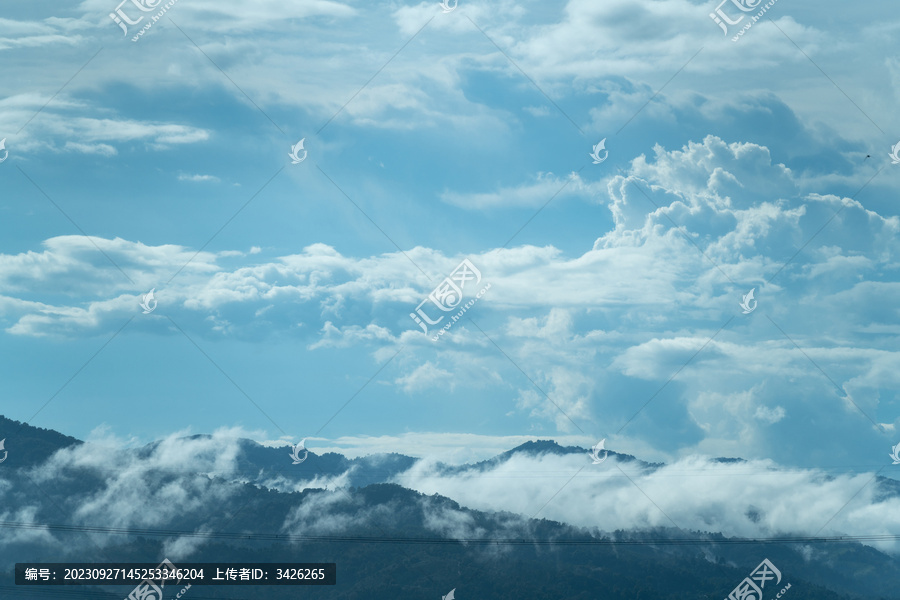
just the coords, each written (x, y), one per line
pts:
(694, 229)
(426, 376)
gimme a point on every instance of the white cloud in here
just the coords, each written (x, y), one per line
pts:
(546, 186)
(198, 178)
(87, 134)
(136, 491)
(633, 310)
(769, 415)
(695, 492)
(101, 149)
(426, 376)
(537, 111)
(33, 34)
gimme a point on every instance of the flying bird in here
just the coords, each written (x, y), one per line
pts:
(449, 596)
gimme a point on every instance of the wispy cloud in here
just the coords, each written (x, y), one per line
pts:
(198, 178)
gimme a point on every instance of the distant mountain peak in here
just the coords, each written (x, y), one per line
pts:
(29, 445)
(540, 447)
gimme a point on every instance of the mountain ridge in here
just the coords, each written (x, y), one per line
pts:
(388, 535)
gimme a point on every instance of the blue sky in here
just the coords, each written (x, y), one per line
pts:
(284, 290)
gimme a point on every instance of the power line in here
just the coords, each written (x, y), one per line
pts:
(454, 541)
(57, 592)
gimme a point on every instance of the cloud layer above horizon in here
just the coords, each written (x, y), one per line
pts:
(614, 309)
